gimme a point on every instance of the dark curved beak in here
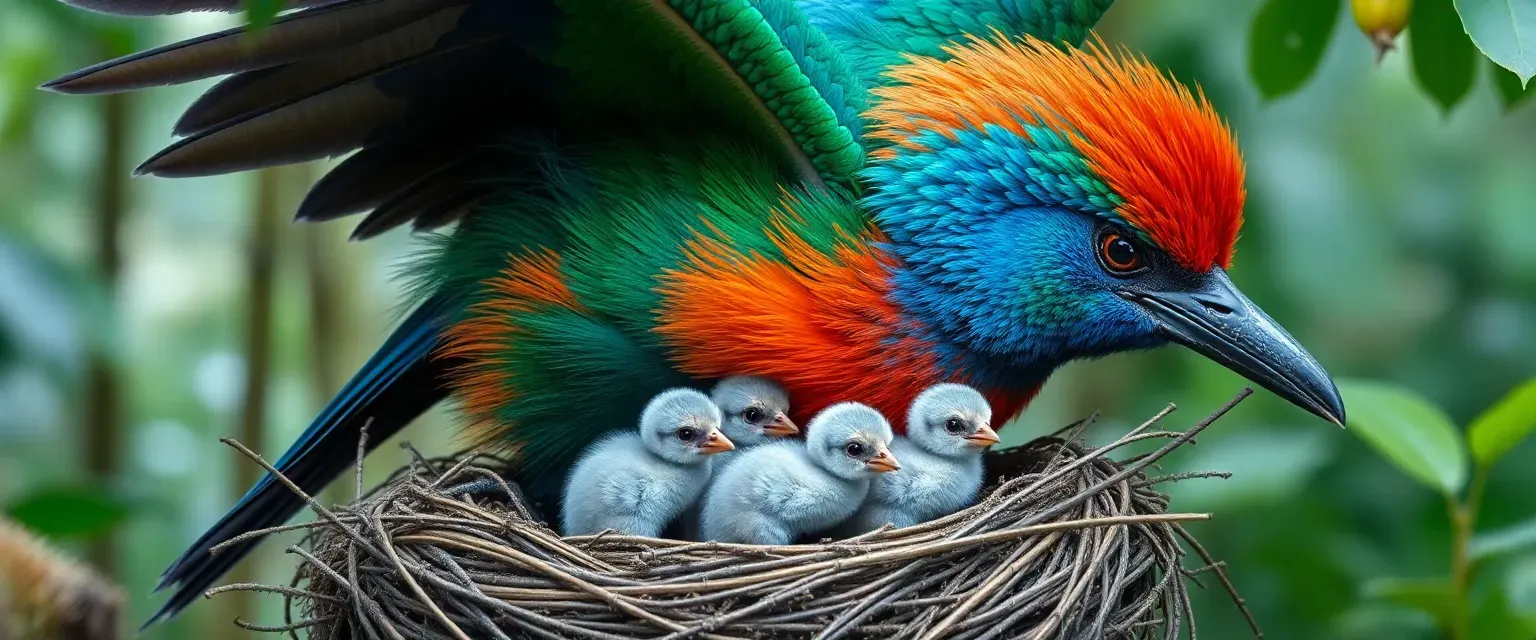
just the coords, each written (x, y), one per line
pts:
(1219, 322)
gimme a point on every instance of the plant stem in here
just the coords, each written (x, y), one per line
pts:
(1463, 522)
(1461, 536)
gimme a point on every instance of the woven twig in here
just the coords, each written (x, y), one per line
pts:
(1067, 543)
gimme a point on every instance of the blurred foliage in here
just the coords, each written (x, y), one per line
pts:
(1418, 437)
(1389, 229)
(64, 513)
(1505, 30)
(1289, 37)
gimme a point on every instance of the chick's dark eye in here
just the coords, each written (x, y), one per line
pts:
(1119, 253)
(752, 414)
(687, 434)
(954, 425)
(853, 449)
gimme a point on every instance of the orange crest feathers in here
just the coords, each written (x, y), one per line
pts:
(1163, 150)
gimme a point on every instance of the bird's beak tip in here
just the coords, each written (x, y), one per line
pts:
(782, 427)
(984, 437)
(716, 442)
(883, 462)
(1216, 320)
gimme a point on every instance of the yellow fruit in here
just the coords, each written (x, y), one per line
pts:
(1381, 21)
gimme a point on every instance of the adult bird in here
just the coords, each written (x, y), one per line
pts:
(858, 199)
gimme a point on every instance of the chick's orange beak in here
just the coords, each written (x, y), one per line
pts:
(983, 438)
(781, 427)
(883, 462)
(716, 442)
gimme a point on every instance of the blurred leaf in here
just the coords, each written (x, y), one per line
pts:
(260, 13)
(1430, 595)
(1520, 592)
(1504, 539)
(69, 512)
(1495, 618)
(1508, 85)
(1505, 30)
(1443, 56)
(1409, 431)
(1504, 425)
(1286, 42)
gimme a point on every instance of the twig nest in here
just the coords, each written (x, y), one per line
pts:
(1066, 543)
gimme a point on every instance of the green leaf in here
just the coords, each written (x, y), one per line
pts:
(1442, 55)
(1286, 43)
(1520, 592)
(1508, 86)
(1503, 540)
(1409, 431)
(1504, 425)
(260, 13)
(1505, 30)
(1433, 596)
(69, 512)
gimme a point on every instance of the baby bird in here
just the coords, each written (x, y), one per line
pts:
(636, 482)
(776, 492)
(756, 410)
(948, 428)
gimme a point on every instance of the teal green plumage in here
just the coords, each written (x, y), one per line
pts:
(858, 199)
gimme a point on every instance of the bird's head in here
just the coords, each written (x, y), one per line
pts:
(951, 420)
(851, 441)
(682, 426)
(1050, 204)
(755, 409)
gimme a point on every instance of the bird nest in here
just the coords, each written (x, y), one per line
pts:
(1065, 543)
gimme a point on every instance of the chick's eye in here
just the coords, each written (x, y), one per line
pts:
(954, 425)
(1119, 254)
(853, 449)
(687, 434)
(752, 414)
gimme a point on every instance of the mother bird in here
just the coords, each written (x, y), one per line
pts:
(858, 198)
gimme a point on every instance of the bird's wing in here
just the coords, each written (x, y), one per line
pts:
(875, 34)
(421, 89)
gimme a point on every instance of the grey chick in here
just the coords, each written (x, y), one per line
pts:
(776, 492)
(756, 410)
(948, 428)
(635, 482)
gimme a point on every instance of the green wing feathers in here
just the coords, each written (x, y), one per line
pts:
(876, 34)
(420, 88)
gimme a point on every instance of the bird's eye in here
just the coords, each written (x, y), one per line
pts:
(1119, 254)
(687, 434)
(853, 449)
(752, 414)
(954, 425)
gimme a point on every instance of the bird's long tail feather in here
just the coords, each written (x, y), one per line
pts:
(398, 383)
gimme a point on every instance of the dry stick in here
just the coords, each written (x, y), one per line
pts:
(1226, 581)
(531, 562)
(716, 622)
(1136, 468)
(557, 545)
(410, 581)
(265, 588)
(313, 504)
(1095, 454)
(290, 627)
(991, 585)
